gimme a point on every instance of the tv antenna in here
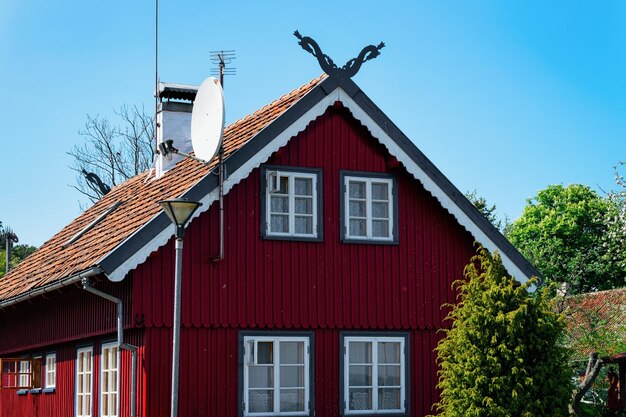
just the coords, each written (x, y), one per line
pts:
(222, 59)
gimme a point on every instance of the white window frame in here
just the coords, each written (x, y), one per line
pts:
(249, 343)
(50, 374)
(347, 178)
(25, 373)
(375, 364)
(79, 394)
(110, 374)
(273, 175)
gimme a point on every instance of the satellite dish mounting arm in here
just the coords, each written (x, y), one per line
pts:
(166, 148)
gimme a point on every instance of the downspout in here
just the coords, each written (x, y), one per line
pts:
(120, 339)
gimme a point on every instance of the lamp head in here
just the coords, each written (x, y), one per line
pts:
(179, 210)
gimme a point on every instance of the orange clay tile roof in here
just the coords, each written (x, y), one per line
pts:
(602, 312)
(139, 196)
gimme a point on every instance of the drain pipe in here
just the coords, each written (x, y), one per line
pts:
(120, 339)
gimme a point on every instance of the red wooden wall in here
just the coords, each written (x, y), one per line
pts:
(327, 286)
(61, 402)
(66, 315)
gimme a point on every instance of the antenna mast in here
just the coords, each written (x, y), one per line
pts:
(156, 73)
(222, 58)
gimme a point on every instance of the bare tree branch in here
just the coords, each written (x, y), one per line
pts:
(113, 151)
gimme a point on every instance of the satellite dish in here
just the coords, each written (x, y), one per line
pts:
(207, 119)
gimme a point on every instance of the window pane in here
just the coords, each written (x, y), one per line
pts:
(360, 352)
(389, 375)
(357, 208)
(389, 398)
(360, 375)
(356, 189)
(265, 353)
(389, 352)
(292, 376)
(304, 225)
(360, 399)
(379, 191)
(114, 404)
(380, 228)
(303, 186)
(292, 400)
(261, 401)
(279, 223)
(261, 377)
(279, 204)
(357, 227)
(380, 210)
(304, 205)
(291, 352)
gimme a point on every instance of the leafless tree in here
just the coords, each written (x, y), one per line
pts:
(112, 152)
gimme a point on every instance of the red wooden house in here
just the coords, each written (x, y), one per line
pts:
(341, 243)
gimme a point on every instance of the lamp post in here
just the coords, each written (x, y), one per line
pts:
(179, 211)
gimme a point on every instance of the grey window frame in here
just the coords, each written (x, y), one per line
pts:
(318, 194)
(343, 221)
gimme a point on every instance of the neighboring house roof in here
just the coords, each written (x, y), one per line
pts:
(127, 235)
(595, 321)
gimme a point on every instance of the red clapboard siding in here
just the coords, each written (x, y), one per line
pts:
(61, 402)
(287, 284)
(209, 379)
(68, 315)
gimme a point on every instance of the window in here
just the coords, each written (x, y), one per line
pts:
(109, 380)
(51, 371)
(25, 374)
(368, 208)
(291, 203)
(84, 383)
(374, 375)
(276, 378)
(21, 373)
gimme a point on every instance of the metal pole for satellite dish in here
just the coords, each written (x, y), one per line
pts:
(221, 178)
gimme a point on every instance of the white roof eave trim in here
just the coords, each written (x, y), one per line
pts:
(282, 139)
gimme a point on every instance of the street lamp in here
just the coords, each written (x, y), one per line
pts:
(179, 210)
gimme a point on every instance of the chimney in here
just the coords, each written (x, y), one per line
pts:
(174, 121)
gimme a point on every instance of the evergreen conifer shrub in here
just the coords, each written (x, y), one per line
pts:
(503, 354)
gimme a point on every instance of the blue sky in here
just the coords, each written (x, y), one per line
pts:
(504, 97)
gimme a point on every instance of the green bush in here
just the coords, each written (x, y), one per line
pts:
(503, 354)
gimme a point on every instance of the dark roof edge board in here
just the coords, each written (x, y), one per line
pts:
(35, 292)
(439, 178)
(208, 184)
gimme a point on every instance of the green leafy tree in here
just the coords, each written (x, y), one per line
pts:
(615, 239)
(561, 231)
(503, 355)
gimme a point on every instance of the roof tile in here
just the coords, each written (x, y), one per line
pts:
(138, 196)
